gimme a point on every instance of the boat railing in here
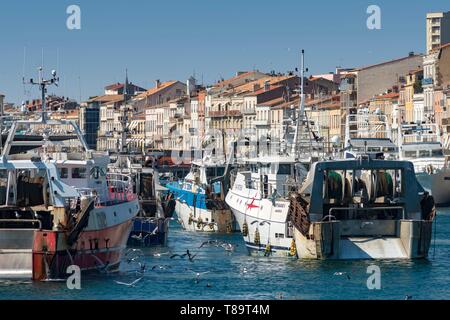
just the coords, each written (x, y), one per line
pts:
(120, 187)
(32, 222)
(358, 209)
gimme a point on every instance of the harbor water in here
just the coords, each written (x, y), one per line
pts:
(236, 275)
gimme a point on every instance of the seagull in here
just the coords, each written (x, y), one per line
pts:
(132, 284)
(159, 254)
(161, 267)
(182, 256)
(210, 242)
(198, 274)
(229, 246)
(341, 274)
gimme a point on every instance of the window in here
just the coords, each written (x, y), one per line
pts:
(64, 173)
(79, 173)
(279, 235)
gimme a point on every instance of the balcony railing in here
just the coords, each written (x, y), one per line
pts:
(229, 113)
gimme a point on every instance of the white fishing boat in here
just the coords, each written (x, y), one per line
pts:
(259, 197)
(421, 144)
(260, 204)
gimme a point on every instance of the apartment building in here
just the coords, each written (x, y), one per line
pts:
(437, 30)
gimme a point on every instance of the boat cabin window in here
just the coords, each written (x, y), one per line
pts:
(424, 153)
(410, 154)
(64, 173)
(284, 169)
(3, 186)
(437, 153)
(79, 173)
(214, 172)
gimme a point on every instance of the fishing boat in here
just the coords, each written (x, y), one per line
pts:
(200, 197)
(362, 208)
(259, 201)
(259, 197)
(151, 225)
(369, 133)
(58, 205)
(421, 144)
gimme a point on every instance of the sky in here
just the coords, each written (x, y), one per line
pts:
(211, 39)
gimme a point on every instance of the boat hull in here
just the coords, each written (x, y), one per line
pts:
(148, 232)
(437, 184)
(204, 220)
(403, 239)
(264, 226)
(45, 254)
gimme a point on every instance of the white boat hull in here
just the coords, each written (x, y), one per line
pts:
(204, 220)
(265, 219)
(437, 184)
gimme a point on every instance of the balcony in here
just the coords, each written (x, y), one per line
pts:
(221, 114)
(249, 111)
(261, 123)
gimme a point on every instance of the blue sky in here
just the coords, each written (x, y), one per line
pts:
(172, 39)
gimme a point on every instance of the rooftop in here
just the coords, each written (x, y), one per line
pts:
(154, 90)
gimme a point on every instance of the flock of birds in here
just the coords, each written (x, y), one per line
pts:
(135, 258)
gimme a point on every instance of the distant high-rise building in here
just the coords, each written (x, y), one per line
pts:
(438, 29)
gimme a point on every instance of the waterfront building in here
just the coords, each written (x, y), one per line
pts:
(412, 86)
(437, 30)
(136, 136)
(161, 93)
(90, 122)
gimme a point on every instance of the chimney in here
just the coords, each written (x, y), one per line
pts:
(266, 85)
(157, 84)
(256, 87)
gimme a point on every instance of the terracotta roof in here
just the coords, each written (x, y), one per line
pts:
(247, 88)
(107, 98)
(154, 90)
(240, 76)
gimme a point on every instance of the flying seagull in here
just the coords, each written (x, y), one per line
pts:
(131, 284)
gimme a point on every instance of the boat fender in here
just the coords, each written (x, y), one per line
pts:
(199, 223)
(229, 228)
(257, 237)
(267, 250)
(293, 249)
(245, 229)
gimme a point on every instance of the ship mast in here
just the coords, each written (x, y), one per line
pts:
(123, 144)
(43, 84)
(297, 147)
